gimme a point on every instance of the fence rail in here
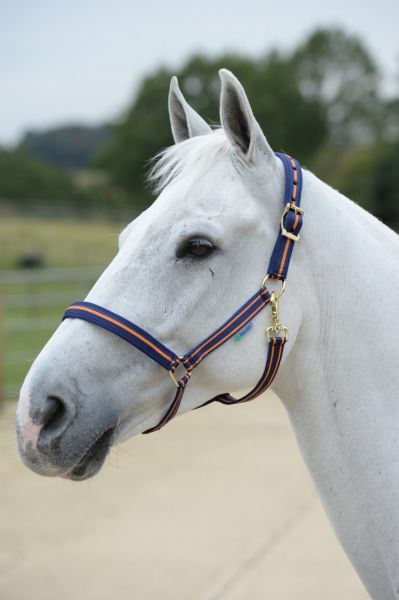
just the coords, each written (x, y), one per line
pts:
(31, 306)
(21, 276)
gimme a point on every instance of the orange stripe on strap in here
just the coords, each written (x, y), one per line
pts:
(278, 362)
(169, 416)
(137, 335)
(240, 326)
(284, 257)
(229, 323)
(268, 370)
(271, 362)
(295, 180)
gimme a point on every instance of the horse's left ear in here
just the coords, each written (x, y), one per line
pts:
(185, 122)
(238, 121)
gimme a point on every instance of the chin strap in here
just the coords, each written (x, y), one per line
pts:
(290, 225)
(274, 356)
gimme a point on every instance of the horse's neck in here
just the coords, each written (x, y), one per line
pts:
(340, 382)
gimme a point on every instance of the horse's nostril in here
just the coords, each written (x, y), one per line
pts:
(55, 416)
(53, 413)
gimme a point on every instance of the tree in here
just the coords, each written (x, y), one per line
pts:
(70, 147)
(23, 177)
(384, 189)
(278, 104)
(290, 121)
(337, 70)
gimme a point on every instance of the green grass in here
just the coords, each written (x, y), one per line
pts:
(62, 244)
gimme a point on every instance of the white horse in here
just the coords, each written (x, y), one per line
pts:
(221, 191)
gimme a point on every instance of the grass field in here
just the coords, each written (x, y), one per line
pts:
(31, 311)
(63, 243)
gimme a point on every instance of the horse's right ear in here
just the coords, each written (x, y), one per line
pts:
(185, 122)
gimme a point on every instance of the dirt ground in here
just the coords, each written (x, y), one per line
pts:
(217, 506)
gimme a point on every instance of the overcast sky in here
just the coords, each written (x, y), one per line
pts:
(80, 60)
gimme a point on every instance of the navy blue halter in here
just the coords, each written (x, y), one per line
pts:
(290, 225)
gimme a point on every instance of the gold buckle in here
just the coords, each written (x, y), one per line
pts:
(172, 375)
(271, 330)
(284, 232)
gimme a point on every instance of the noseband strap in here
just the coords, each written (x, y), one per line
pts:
(290, 225)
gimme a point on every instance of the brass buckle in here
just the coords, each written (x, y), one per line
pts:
(284, 232)
(172, 375)
(270, 331)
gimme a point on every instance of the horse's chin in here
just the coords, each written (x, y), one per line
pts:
(93, 459)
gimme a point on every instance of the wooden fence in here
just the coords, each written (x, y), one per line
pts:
(31, 305)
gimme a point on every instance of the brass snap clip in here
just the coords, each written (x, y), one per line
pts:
(276, 327)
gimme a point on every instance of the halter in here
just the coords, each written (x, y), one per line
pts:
(277, 335)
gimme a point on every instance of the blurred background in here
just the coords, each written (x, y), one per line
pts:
(83, 110)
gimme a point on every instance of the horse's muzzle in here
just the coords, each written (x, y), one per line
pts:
(54, 440)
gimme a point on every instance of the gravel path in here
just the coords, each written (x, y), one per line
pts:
(217, 506)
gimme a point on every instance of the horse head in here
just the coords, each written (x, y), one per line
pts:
(182, 267)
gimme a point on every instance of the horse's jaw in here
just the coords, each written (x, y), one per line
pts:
(93, 459)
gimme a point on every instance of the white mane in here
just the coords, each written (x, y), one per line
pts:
(192, 157)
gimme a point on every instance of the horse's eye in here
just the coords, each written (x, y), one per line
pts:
(196, 247)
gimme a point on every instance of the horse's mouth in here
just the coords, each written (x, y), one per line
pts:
(93, 459)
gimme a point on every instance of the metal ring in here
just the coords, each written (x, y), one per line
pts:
(281, 292)
(175, 381)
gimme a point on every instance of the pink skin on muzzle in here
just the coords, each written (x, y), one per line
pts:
(29, 432)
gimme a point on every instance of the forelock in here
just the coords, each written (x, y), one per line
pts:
(191, 158)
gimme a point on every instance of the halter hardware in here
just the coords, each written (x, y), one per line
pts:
(183, 380)
(282, 289)
(277, 335)
(276, 328)
(298, 211)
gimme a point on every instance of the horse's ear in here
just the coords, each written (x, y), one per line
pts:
(238, 121)
(185, 122)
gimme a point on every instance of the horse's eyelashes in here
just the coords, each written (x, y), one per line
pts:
(195, 248)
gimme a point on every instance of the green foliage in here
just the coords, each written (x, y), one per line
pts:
(336, 70)
(270, 83)
(69, 147)
(27, 178)
(275, 97)
(321, 98)
(384, 188)
(321, 103)
(140, 136)
(367, 175)
(34, 186)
